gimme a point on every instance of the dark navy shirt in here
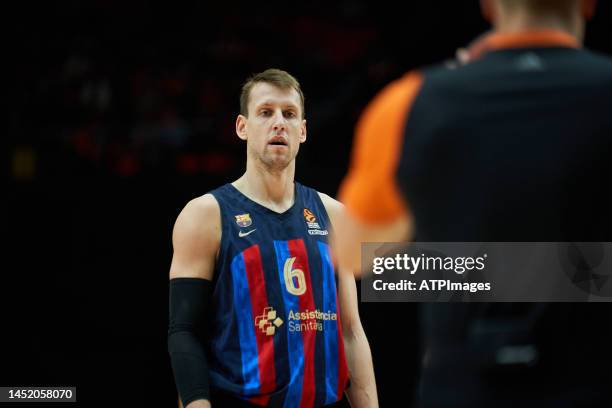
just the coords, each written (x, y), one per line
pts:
(276, 337)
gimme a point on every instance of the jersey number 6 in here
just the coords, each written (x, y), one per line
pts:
(289, 273)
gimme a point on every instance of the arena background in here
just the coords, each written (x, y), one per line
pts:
(120, 112)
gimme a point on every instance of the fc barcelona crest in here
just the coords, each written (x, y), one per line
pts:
(243, 220)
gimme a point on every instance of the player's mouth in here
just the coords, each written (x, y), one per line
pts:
(278, 141)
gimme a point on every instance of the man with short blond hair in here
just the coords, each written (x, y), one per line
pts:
(255, 315)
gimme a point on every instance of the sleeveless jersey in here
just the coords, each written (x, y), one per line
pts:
(275, 335)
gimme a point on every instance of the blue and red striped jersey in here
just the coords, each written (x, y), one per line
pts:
(275, 337)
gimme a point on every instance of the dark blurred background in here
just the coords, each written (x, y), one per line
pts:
(120, 112)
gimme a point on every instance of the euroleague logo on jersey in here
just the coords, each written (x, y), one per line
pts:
(309, 216)
(313, 225)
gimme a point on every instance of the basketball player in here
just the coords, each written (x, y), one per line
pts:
(515, 145)
(256, 318)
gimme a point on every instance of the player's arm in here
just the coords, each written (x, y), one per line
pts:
(375, 208)
(196, 238)
(362, 390)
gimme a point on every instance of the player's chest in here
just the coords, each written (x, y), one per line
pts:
(251, 228)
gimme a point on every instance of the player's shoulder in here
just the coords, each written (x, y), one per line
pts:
(202, 206)
(329, 201)
(200, 216)
(333, 207)
(196, 239)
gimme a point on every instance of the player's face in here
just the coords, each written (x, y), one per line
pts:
(274, 127)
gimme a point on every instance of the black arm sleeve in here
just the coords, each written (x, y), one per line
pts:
(189, 298)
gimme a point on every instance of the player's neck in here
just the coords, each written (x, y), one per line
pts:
(272, 189)
(521, 22)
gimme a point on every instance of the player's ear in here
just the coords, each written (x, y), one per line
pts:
(587, 8)
(303, 131)
(241, 121)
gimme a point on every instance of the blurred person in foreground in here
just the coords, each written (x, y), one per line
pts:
(514, 144)
(255, 315)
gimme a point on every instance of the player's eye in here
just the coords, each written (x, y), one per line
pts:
(265, 112)
(290, 114)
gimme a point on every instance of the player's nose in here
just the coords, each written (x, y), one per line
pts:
(280, 122)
